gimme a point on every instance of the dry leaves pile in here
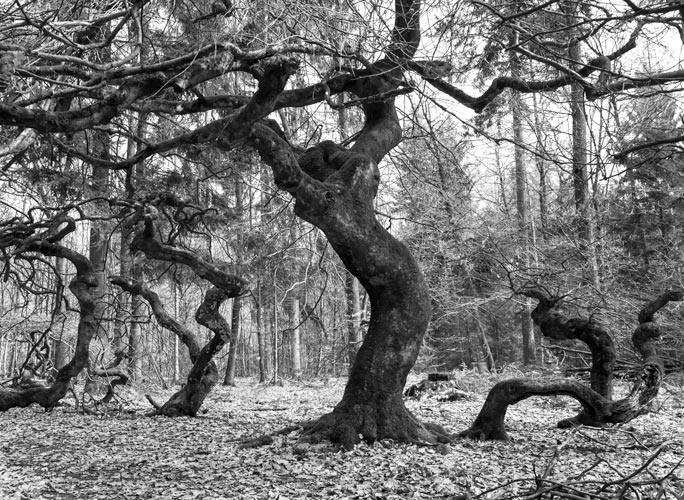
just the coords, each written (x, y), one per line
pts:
(66, 455)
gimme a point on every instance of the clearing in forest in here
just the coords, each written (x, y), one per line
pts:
(123, 455)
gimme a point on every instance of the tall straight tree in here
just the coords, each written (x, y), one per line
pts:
(573, 11)
(521, 202)
(236, 307)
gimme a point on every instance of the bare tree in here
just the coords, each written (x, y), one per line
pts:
(598, 407)
(27, 239)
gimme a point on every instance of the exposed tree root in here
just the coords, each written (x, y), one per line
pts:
(348, 427)
(154, 403)
(266, 439)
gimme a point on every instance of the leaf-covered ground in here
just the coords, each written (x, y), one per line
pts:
(67, 455)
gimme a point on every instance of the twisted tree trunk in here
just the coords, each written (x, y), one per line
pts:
(84, 287)
(555, 325)
(204, 374)
(113, 373)
(598, 409)
(334, 189)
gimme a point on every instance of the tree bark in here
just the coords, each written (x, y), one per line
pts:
(113, 375)
(135, 346)
(275, 338)
(204, 373)
(261, 339)
(542, 170)
(84, 286)
(529, 347)
(583, 206)
(354, 337)
(296, 338)
(339, 200)
(97, 238)
(598, 410)
(553, 324)
(229, 377)
(59, 343)
(334, 189)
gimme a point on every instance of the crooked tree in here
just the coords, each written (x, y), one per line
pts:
(598, 407)
(27, 240)
(46, 59)
(204, 373)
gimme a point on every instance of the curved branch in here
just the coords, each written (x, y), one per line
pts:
(82, 286)
(272, 75)
(498, 85)
(597, 409)
(113, 374)
(620, 156)
(147, 242)
(185, 335)
(405, 36)
(553, 324)
(86, 117)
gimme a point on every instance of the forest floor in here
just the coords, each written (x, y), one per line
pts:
(122, 455)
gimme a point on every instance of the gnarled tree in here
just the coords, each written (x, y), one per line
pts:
(598, 408)
(204, 374)
(21, 239)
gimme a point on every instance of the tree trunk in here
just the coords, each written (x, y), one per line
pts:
(500, 170)
(98, 242)
(229, 377)
(203, 374)
(528, 343)
(135, 350)
(276, 341)
(128, 310)
(598, 410)
(354, 337)
(486, 351)
(372, 404)
(586, 232)
(59, 344)
(261, 336)
(553, 324)
(176, 340)
(334, 189)
(84, 286)
(101, 143)
(541, 170)
(296, 338)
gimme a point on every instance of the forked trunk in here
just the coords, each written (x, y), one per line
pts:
(203, 375)
(598, 410)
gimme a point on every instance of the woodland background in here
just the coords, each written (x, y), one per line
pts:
(475, 199)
